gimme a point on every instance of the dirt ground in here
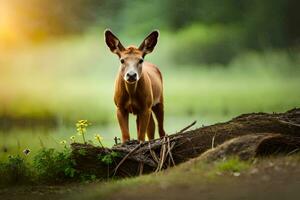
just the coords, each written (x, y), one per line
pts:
(274, 182)
(268, 179)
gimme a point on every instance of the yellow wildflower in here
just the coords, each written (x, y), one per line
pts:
(63, 142)
(99, 139)
(72, 138)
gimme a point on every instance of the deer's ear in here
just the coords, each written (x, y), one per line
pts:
(149, 42)
(113, 42)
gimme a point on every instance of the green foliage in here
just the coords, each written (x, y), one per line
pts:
(49, 165)
(52, 165)
(15, 171)
(87, 177)
(109, 158)
(141, 24)
(82, 152)
(207, 44)
(266, 23)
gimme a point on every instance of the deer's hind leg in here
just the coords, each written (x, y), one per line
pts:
(151, 128)
(158, 110)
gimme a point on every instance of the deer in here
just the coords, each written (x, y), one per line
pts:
(138, 87)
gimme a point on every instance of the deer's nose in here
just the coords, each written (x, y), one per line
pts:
(131, 76)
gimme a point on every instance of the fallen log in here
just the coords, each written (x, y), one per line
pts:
(253, 145)
(246, 136)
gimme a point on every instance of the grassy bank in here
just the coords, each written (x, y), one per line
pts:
(276, 178)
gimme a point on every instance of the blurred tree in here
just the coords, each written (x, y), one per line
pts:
(139, 17)
(292, 22)
(265, 23)
(41, 19)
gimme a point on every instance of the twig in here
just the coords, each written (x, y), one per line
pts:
(125, 157)
(187, 127)
(162, 155)
(169, 151)
(153, 154)
(141, 168)
(294, 151)
(213, 141)
(289, 123)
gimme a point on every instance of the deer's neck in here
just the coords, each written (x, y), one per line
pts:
(131, 88)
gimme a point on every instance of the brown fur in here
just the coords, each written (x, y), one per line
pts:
(141, 98)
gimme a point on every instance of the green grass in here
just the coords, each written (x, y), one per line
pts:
(232, 165)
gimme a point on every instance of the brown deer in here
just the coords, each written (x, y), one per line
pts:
(138, 87)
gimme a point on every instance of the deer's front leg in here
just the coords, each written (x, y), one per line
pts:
(143, 121)
(122, 116)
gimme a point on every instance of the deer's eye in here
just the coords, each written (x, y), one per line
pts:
(141, 61)
(122, 61)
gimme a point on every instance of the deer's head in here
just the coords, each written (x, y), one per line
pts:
(131, 58)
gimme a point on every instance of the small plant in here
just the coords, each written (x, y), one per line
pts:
(15, 171)
(52, 165)
(99, 139)
(82, 152)
(64, 143)
(81, 126)
(72, 138)
(109, 158)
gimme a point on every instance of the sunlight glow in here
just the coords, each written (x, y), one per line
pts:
(8, 33)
